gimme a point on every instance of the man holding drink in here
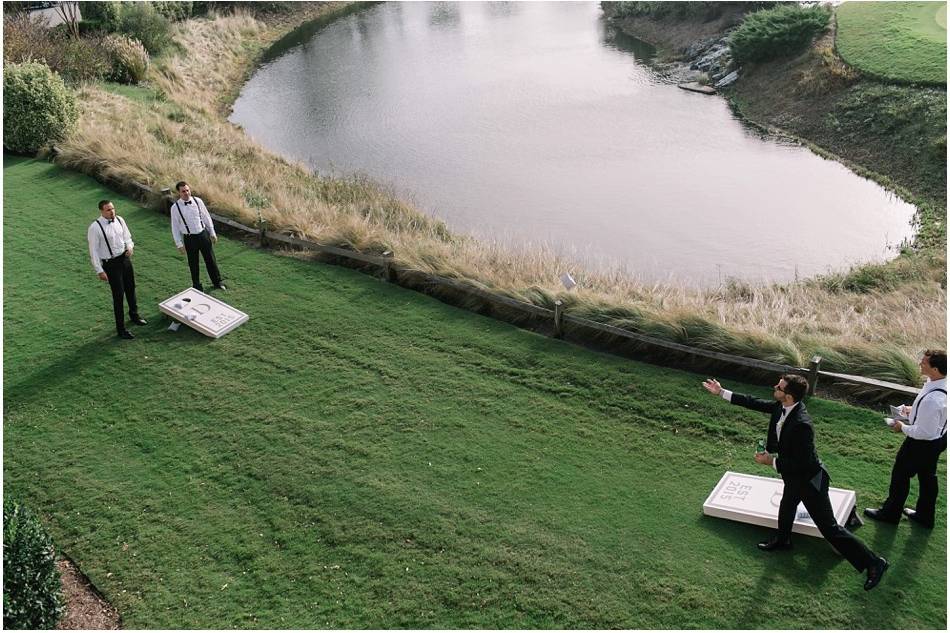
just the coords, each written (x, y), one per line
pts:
(791, 439)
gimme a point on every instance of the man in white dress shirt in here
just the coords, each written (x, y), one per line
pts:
(110, 250)
(926, 439)
(193, 232)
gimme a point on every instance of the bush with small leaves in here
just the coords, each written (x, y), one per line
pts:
(141, 21)
(37, 107)
(32, 596)
(174, 10)
(129, 59)
(107, 14)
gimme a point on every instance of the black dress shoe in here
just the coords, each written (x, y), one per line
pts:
(220, 287)
(774, 544)
(878, 514)
(875, 571)
(126, 335)
(914, 516)
(137, 320)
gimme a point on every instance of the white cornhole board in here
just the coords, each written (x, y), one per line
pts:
(202, 312)
(754, 499)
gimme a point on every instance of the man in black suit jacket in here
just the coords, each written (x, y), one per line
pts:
(791, 436)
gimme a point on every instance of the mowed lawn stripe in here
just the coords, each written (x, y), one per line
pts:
(359, 455)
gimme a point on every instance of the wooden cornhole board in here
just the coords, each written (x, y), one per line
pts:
(202, 312)
(754, 499)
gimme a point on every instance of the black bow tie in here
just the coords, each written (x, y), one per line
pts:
(111, 221)
(187, 201)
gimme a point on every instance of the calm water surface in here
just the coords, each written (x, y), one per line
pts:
(536, 123)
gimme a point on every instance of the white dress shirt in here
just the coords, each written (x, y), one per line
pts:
(928, 415)
(190, 218)
(118, 236)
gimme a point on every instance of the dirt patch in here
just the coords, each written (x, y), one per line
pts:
(85, 606)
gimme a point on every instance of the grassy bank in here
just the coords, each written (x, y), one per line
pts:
(182, 133)
(337, 463)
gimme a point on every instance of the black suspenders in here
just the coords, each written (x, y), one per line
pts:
(109, 246)
(944, 392)
(182, 215)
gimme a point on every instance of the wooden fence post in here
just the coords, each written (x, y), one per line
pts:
(558, 319)
(813, 374)
(262, 227)
(391, 276)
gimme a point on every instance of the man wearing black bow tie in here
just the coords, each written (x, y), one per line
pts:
(193, 232)
(110, 249)
(805, 479)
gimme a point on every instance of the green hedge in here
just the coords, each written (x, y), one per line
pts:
(104, 13)
(777, 32)
(31, 586)
(37, 107)
(143, 22)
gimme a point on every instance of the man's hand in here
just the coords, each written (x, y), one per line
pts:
(214, 239)
(904, 409)
(128, 252)
(897, 426)
(103, 276)
(181, 249)
(764, 458)
(712, 386)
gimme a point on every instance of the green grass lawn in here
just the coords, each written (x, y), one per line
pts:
(901, 41)
(359, 455)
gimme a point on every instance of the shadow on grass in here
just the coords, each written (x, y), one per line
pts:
(105, 349)
(904, 567)
(34, 385)
(805, 566)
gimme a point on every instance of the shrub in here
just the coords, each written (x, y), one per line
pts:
(777, 32)
(226, 6)
(79, 60)
(141, 21)
(129, 59)
(37, 107)
(174, 11)
(107, 14)
(31, 585)
(25, 37)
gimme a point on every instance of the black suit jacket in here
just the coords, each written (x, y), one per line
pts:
(797, 459)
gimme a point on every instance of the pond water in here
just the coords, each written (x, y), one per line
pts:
(536, 122)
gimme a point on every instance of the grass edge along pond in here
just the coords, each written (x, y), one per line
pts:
(873, 333)
(337, 463)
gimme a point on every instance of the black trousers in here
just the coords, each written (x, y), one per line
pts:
(122, 283)
(915, 458)
(819, 507)
(201, 242)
